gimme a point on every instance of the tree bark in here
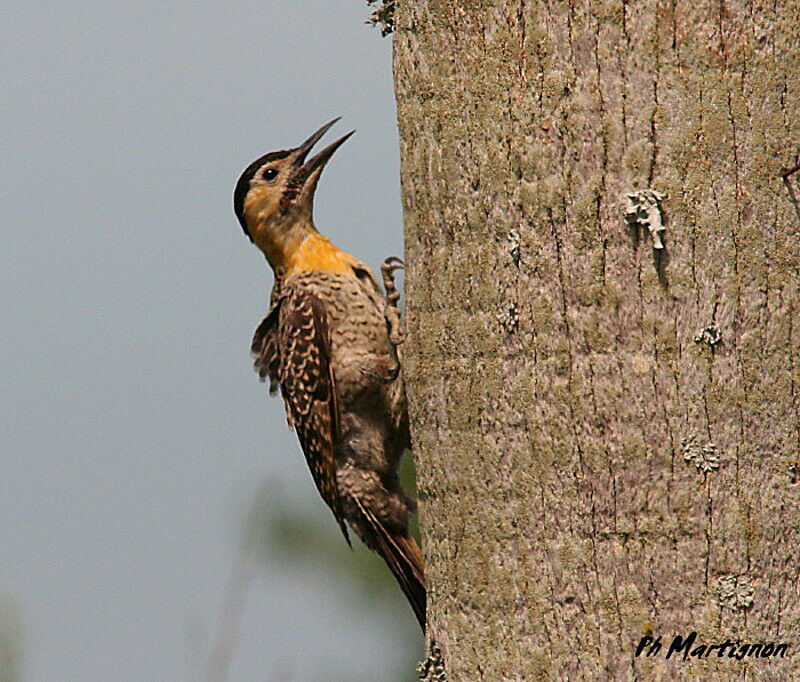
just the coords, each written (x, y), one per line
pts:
(607, 434)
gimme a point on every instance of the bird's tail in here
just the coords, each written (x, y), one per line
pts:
(404, 558)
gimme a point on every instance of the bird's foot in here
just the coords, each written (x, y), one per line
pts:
(392, 310)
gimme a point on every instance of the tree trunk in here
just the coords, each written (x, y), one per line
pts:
(607, 433)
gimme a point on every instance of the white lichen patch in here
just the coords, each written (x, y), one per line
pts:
(734, 592)
(643, 209)
(514, 241)
(704, 457)
(509, 318)
(710, 335)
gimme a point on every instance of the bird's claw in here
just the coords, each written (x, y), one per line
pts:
(392, 311)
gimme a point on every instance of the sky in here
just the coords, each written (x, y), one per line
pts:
(134, 435)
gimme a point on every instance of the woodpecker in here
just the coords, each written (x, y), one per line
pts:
(330, 342)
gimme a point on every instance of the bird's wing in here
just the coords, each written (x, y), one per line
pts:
(264, 349)
(302, 358)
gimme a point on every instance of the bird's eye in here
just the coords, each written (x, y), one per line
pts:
(269, 174)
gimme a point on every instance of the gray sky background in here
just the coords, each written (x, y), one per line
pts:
(134, 433)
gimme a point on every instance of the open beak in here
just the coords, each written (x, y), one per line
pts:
(319, 160)
(304, 178)
(303, 149)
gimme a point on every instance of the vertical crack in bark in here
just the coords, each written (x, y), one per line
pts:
(523, 59)
(736, 230)
(764, 315)
(654, 112)
(787, 183)
(603, 157)
(737, 184)
(659, 394)
(779, 611)
(618, 609)
(603, 436)
(586, 479)
(601, 236)
(709, 526)
(571, 31)
(674, 29)
(550, 583)
(793, 372)
(715, 201)
(625, 78)
(675, 372)
(691, 232)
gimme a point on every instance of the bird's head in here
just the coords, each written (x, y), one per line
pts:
(274, 197)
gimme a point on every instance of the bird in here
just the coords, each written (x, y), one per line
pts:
(331, 342)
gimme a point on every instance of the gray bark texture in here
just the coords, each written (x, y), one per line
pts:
(607, 434)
